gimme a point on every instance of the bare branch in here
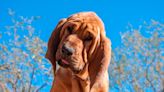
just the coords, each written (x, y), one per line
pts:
(31, 79)
(42, 86)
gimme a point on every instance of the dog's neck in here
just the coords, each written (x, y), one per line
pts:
(83, 80)
(84, 74)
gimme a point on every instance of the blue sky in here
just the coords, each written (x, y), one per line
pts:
(116, 14)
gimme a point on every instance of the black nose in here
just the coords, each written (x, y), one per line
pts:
(67, 50)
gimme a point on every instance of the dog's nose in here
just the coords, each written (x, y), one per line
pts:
(67, 50)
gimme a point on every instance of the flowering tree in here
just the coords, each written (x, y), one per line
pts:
(138, 64)
(23, 67)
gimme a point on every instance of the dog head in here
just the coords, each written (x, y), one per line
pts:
(78, 42)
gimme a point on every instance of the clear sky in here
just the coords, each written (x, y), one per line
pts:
(116, 14)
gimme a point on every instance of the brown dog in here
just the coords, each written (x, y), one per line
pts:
(83, 51)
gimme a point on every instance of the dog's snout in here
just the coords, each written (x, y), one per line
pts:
(67, 50)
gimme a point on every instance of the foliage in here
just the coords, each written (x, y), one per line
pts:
(138, 64)
(23, 67)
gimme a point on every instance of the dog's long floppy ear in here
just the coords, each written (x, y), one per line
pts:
(53, 43)
(100, 60)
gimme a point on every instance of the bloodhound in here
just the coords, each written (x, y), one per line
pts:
(79, 45)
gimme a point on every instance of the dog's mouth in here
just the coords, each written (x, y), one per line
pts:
(64, 63)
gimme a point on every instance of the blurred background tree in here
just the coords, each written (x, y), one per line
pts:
(23, 67)
(138, 64)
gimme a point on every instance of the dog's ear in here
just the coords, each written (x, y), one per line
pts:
(53, 43)
(98, 66)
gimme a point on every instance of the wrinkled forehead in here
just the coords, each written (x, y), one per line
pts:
(86, 23)
(87, 17)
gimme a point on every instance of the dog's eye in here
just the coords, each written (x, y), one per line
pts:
(88, 38)
(70, 29)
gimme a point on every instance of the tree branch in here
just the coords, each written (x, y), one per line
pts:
(32, 76)
(147, 77)
(42, 86)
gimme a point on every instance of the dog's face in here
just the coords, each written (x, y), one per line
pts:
(78, 39)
